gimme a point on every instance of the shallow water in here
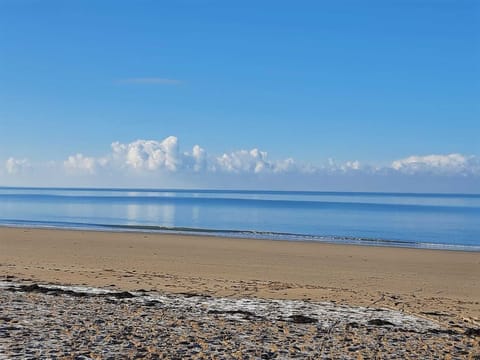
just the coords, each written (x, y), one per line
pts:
(449, 221)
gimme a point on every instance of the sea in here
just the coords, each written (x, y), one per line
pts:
(437, 221)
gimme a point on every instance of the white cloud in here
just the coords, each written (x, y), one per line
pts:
(81, 164)
(156, 163)
(332, 167)
(287, 165)
(198, 158)
(165, 155)
(253, 161)
(15, 166)
(243, 161)
(352, 165)
(438, 164)
(148, 154)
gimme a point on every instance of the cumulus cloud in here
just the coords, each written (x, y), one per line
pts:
(15, 166)
(81, 164)
(243, 161)
(156, 163)
(333, 167)
(165, 156)
(197, 160)
(438, 164)
(149, 154)
(352, 165)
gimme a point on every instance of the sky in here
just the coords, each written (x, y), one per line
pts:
(305, 95)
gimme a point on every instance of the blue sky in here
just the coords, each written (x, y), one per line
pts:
(368, 81)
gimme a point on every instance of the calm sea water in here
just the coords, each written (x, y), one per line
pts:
(449, 221)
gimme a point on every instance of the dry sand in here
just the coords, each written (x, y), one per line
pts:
(442, 285)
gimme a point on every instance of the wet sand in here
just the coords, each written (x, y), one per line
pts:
(415, 280)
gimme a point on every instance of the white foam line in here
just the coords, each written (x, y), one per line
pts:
(326, 313)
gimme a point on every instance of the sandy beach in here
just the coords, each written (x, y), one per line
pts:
(242, 267)
(441, 286)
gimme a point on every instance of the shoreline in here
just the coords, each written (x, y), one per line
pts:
(246, 235)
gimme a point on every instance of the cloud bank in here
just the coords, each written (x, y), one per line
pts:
(152, 156)
(439, 164)
(160, 163)
(15, 166)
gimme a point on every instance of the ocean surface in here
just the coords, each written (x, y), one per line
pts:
(444, 221)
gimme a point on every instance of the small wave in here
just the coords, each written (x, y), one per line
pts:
(245, 234)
